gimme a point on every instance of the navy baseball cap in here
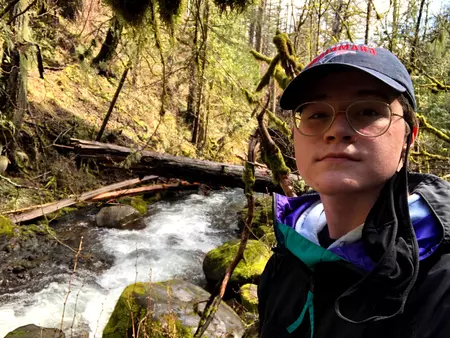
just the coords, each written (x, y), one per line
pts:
(376, 61)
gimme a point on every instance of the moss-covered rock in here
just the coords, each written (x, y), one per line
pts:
(119, 217)
(169, 309)
(269, 239)
(249, 297)
(263, 230)
(6, 227)
(33, 331)
(248, 270)
(136, 202)
(139, 204)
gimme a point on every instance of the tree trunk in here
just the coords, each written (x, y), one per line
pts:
(336, 28)
(212, 173)
(13, 81)
(191, 113)
(259, 27)
(113, 103)
(368, 11)
(416, 34)
(394, 36)
(202, 62)
(110, 44)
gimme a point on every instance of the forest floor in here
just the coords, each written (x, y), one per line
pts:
(71, 102)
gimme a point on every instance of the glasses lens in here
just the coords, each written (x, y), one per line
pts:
(369, 118)
(313, 118)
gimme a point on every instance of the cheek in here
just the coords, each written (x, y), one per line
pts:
(386, 154)
(302, 152)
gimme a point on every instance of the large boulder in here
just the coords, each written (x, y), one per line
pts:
(249, 297)
(120, 217)
(248, 270)
(168, 309)
(33, 331)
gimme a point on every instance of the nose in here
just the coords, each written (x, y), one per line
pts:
(340, 130)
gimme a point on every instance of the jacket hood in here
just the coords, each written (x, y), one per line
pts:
(389, 242)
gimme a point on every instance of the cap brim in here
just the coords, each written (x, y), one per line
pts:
(292, 95)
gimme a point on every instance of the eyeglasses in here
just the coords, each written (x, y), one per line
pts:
(367, 118)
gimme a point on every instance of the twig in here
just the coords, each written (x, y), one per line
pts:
(77, 255)
(427, 126)
(17, 185)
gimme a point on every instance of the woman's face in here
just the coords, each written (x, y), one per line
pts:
(341, 161)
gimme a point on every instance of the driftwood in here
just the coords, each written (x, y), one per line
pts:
(192, 170)
(42, 210)
(140, 190)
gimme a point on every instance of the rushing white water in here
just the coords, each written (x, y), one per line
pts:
(174, 243)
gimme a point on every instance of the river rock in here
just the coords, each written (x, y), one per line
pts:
(169, 306)
(248, 270)
(33, 331)
(249, 297)
(33, 256)
(120, 217)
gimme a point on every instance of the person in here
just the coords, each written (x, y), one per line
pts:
(366, 253)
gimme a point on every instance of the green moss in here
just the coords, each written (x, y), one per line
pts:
(249, 177)
(136, 202)
(280, 125)
(269, 73)
(261, 57)
(120, 323)
(262, 230)
(276, 164)
(269, 239)
(61, 212)
(249, 269)
(139, 204)
(249, 297)
(6, 227)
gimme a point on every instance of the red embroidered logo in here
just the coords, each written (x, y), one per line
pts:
(341, 49)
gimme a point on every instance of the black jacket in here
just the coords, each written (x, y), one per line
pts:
(306, 291)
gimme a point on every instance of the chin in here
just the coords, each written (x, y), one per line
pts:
(331, 184)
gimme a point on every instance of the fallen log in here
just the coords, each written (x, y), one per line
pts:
(45, 209)
(144, 189)
(192, 170)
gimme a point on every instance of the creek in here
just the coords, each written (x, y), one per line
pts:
(177, 236)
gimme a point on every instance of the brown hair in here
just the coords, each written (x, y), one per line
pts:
(408, 111)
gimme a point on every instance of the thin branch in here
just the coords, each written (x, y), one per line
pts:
(21, 13)
(435, 131)
(8, 8)
(17, 185)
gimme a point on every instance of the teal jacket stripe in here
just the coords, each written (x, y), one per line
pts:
(309, 306)
(308, 252)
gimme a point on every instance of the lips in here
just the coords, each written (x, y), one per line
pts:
(338, 156)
